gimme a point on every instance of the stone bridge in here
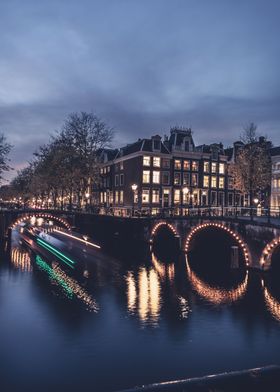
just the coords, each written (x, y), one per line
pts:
(256, 237)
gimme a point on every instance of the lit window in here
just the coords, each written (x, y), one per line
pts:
(145, 196)
(146, 161)
(177, 178)
(117, 197)
(121, 197)
(101, 170)
(206, 167)
(156, 177)
(177, 196)
(121, 165)
(214, 182)
(194, 165)
(165, 178)
(101, 197)
(194, 180)
(177, 164)
(166, 163)
(146, 176)
(121, 179)
(206, 181)
(187, 165)
(186, 179)
(155, 196)
(156, 161)
(221, 182)
(214, 167)
(222, 168)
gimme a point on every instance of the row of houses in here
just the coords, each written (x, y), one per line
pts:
(173, 172)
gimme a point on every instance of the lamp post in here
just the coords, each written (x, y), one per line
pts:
(134, 190)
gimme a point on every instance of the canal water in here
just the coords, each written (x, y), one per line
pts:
(129, 322)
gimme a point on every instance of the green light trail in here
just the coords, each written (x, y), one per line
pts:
(52, 275)
(57, 253)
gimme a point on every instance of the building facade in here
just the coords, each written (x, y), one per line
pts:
(157, 173)
(275, 180)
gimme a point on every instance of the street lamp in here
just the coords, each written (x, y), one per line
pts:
(134, 188)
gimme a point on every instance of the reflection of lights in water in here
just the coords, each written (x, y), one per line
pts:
(164, 270)
(144, 298)
(69, 285)
(272, 304)
(216, 295)
(131, 292)
(184, 306)
(21, 259)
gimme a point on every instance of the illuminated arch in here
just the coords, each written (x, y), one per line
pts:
(163, 224)
(27, 217)
(235, 236)
(265, 260)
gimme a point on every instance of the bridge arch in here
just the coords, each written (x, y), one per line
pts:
(159, 225)
(26, 217)
(235, 236)
(266, 257)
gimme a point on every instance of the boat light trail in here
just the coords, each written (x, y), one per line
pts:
(78, 239)
(54, 251)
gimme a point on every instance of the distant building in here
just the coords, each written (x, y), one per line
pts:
(275, 180)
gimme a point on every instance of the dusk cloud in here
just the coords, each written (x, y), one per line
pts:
(140, 65)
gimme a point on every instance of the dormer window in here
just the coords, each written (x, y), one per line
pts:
(187, 145)
(156, 145)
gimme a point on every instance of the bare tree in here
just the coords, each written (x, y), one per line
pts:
(5, 149)
(252, 169)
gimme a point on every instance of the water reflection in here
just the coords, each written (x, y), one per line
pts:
(71, 288)
(20, 259)
(216, 295)
(144, 298)
(164, 270)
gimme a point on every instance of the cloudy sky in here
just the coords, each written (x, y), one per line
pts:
(141, 65)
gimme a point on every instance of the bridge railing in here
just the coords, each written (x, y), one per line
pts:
(249, 213)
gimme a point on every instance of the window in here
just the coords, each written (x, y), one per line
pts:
(121, 197)
(176, 196)
(206, 167)
(146, 161)
(111, 197)
(186, 178)
(156, 177)
(221, 182)
(146, 176)
(108, 169)
(187, 145)
(101, 170)
(121, 165)
(116, 180)
(187, 165)
(177, 164)
(213, 198)
(135, 196)
(194, 165)
(177, 178)
(222, 168)
(156, 144)
(165, 178)
(101, 197)
(155, 196)
(166, 163)
(121, 179)
(186, 196)
(105, 197)
(230, 199)
(205, 181)
(214, 167)
(194, 180)
(117, 197)
(156, 161)
(214, 182)
(145, 196)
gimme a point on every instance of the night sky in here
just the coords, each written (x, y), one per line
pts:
(141, 65)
